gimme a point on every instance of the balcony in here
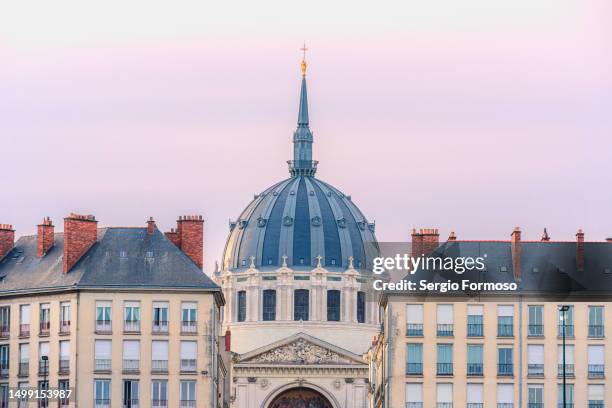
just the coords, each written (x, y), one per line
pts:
(101, 403)
(475, 405)
(188, 327)
(535, 330)
(188, 365)
(158, 403)
(159, 366)
(24, 369)
(596, 331)
(24, 330)
(414, 330)
(596, 404)
(414, 405)
(414, 368)
(535, 370)
(596, 371)
(567, 405)
(131, 366)
(505, 330)
(445, 330)
(43, 367)
(444, 369)
(569, 330)
(475, 330)
(187, 404)
(505, 370)
(160, 327)
(444, 405)
(44, 328)
(535, 405)
(65, 327)
(131, 326)
(505, 405)
(132, 403)
(104, 326)
(4, 369)
(5, 331)
(103, 365)
(474, 369)
(569, 370)
(43, 403)
(64, 366)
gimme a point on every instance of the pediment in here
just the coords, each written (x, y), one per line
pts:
(301, 349)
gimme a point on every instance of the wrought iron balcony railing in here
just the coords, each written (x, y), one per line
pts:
(445, 330)
(414, 330)
(535, 330)
(414, 368)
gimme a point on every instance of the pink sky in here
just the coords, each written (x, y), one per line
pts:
(473, 116)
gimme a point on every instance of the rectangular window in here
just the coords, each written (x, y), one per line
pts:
(188, 394)
(333, 305)
(64, 385)
(131, 317)
(569, 396)
(188, 356)
(569, 360)
(475, 396)
(414, 395)
(103, 355)
(475, 359)
(445, 359)
(64, 357)
(131, 356)
(242, 307)
(24, 359)
(414, 320)
(101, 393)
(444, 395)
(445, 320)
(414, 359)
(301, 304)
(535, 396)
(43, 358)
(505, 321)
(269, 305)
(4, 395)
(596, 395)
(131, 393)
(4, 360)
(505, 395)
(159, 391)
(361, 309)
(596, 361)
(569, 322)
(536, 321)
(24, 321)
(103, 316)
(596, 321)
(475, 320)
(160, 317)
(535, 360)
(43, 386)
(159, 356)
(5, 321)
(23, 401)
(504, 362)
(64, 317)
(44, 319)
(189, 317)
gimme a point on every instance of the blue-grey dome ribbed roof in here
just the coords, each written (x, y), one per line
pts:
(302, 218)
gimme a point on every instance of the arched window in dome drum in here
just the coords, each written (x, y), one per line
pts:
(269, 305)
(241, 306)
(301, 303)
(333, 305)
(361, 307)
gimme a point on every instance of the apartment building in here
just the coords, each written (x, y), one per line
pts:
(501, 350)
(121, 317)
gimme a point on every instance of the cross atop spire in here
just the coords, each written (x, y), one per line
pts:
(304, 65)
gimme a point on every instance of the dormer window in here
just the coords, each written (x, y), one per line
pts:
(333, 261)
(301, 261)
(122, 254)
(244, 262)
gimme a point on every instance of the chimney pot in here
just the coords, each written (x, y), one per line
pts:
(150, 226)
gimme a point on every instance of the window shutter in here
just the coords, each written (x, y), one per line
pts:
(596, 354)
(64, 349)
(25, 314)
(43, 349)
(535, 354)
(160, 350)
(188, 350)
(445, 392)
(505, 393)
(414, 314)
(131, 350)
(474, 393)
(505, 311)
(445, 314)
(414, 392)
(24, 351)
(475, 310)
(569, 354)
(103, 349)
(596, 392)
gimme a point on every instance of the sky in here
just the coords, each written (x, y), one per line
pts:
(470, 116)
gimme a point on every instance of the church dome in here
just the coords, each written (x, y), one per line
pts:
(302, 220)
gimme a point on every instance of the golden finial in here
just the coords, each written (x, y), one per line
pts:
(304, 65)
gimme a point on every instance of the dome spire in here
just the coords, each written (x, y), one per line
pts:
(302, 163)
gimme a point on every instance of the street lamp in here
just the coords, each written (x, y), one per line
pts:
(563, 309)
(45, 360)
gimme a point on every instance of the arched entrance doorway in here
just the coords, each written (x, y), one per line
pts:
(300, 398)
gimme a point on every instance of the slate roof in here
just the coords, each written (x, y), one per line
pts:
(121, 257)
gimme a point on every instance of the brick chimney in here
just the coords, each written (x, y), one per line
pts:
(80, 233)
(516, 252)
(228, 340)
(7, 239)
(150, 226)
(45, 237)
(609, 240)
(189, 237)
(580, 250)
(425, 241)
